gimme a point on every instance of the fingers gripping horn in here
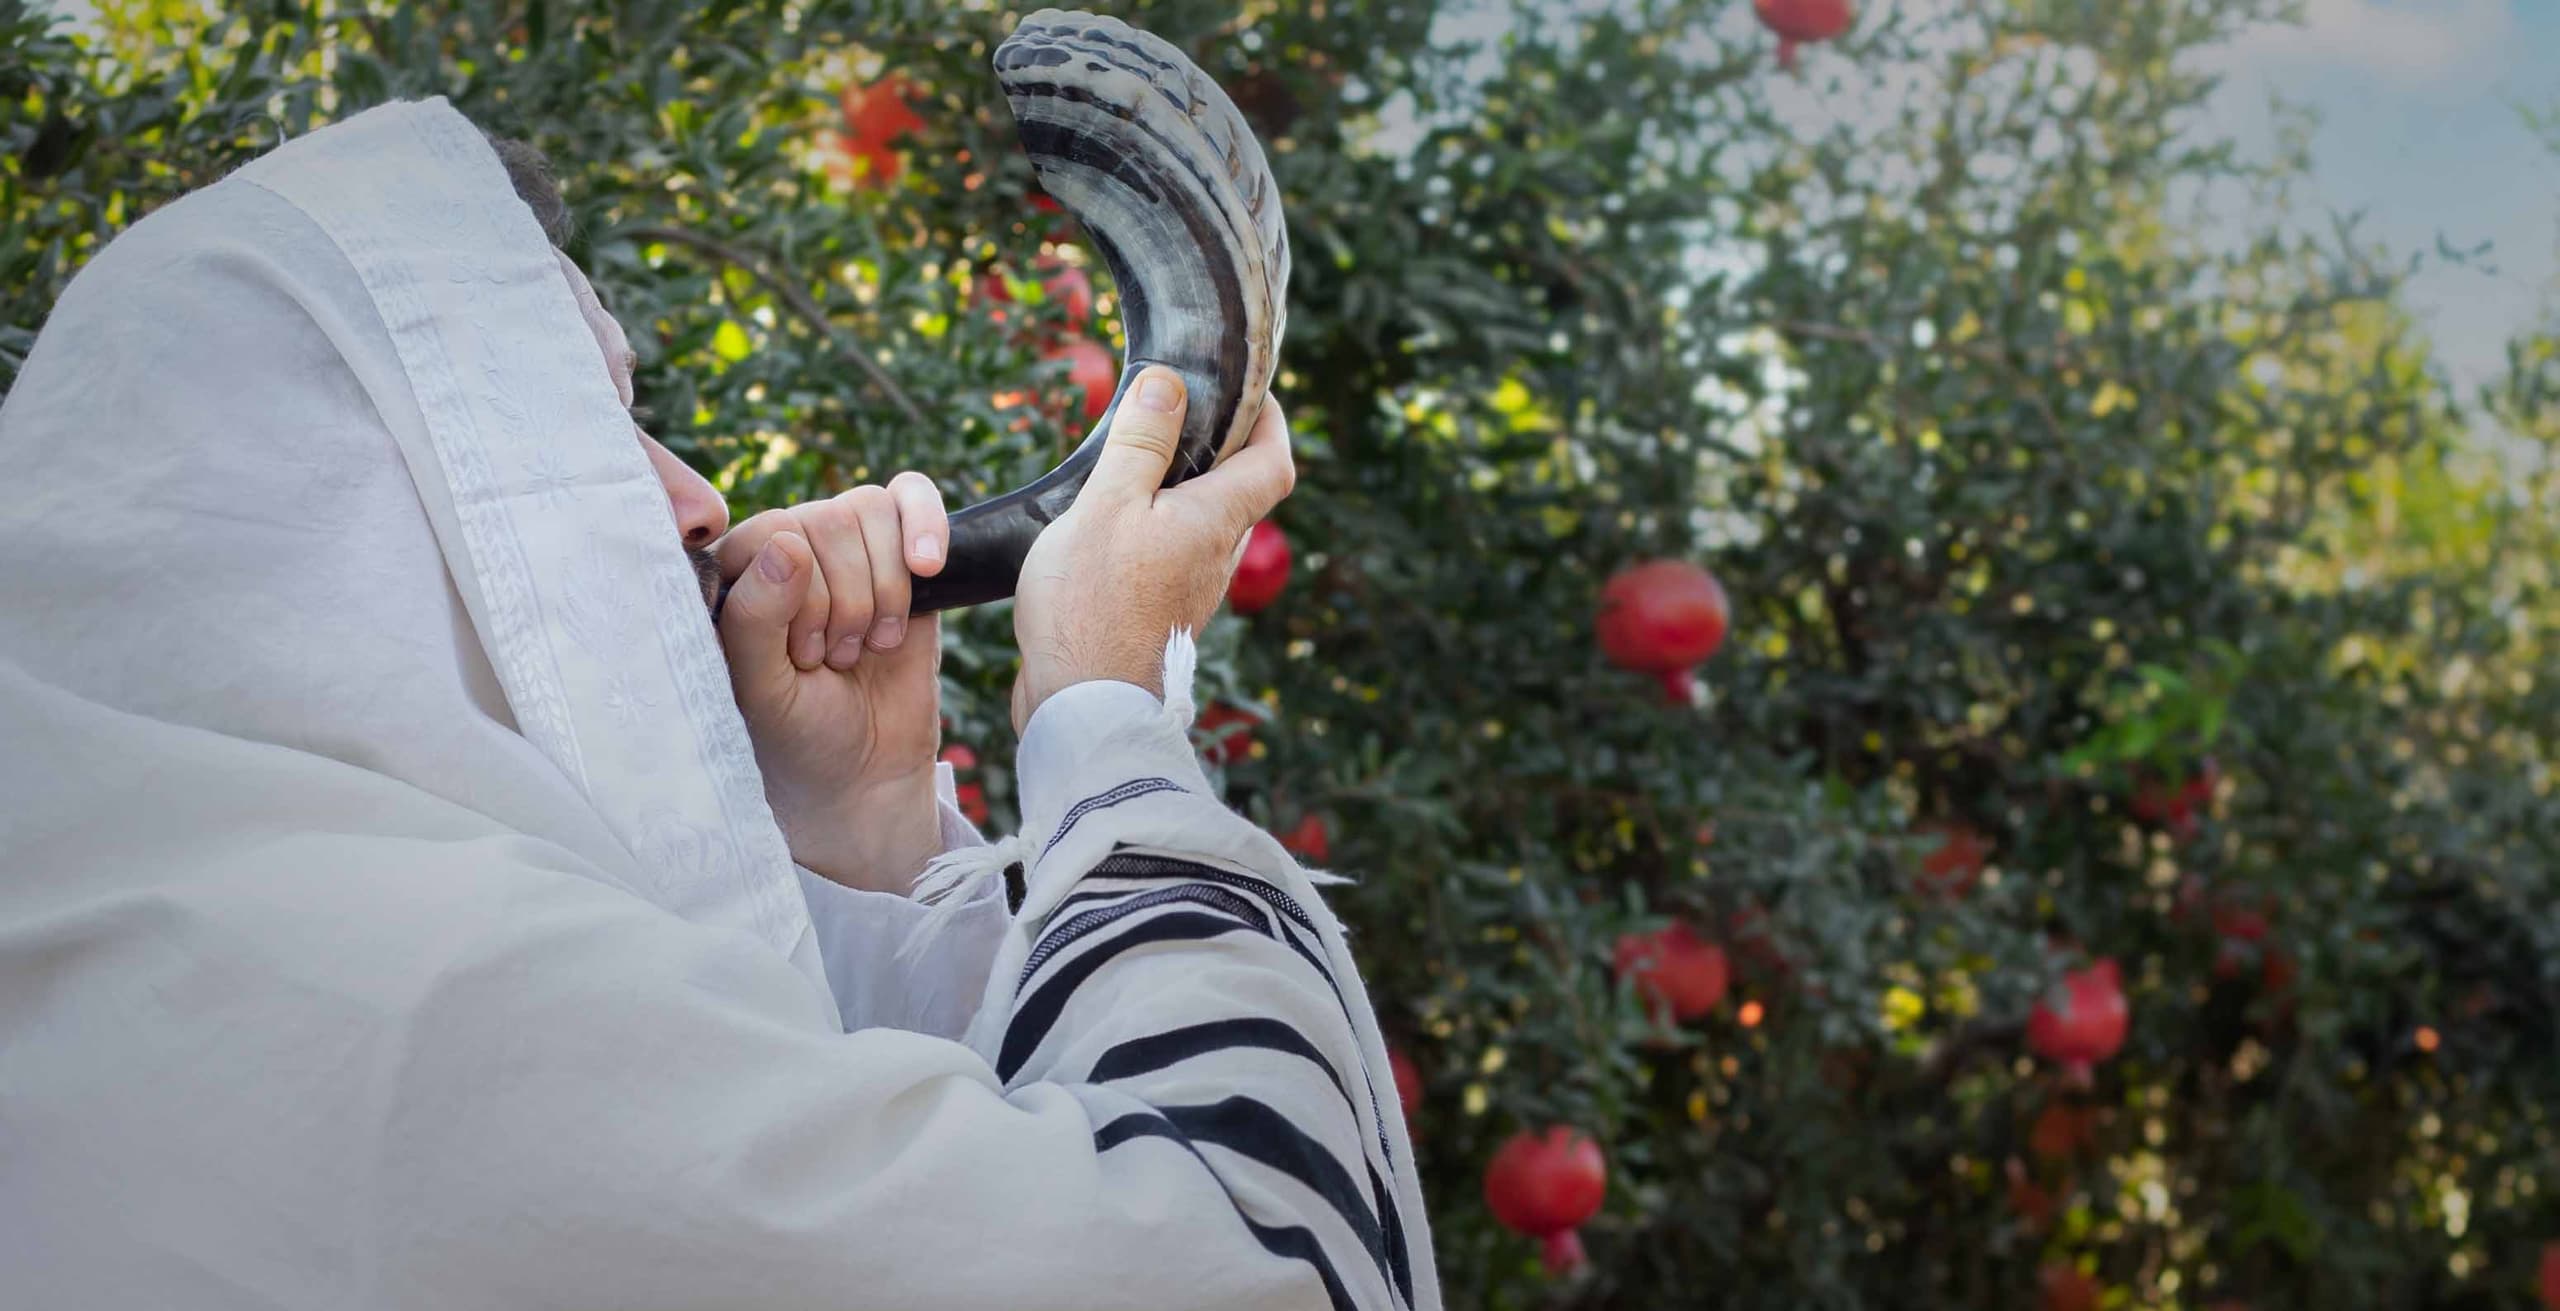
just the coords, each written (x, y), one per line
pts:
(1155, 162)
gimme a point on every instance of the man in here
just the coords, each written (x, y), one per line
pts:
(407, 904)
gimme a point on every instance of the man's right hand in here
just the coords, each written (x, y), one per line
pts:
(1133, 560)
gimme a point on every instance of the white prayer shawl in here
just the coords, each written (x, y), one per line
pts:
(391, 916)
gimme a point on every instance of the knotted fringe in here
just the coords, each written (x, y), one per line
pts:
(1181, 666)
(958, 878)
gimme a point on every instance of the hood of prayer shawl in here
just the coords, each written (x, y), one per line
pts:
(318, 472)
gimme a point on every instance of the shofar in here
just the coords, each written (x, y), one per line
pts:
(1172, 188)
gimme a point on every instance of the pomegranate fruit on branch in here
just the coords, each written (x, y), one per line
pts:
(1800, 21)
(2082, 1021)
(1544, 1186)
(1662, 617)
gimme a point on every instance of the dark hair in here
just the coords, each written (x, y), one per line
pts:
(529, 171)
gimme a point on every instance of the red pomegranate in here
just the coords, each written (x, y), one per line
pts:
(1063, 284)
(1759, 953)
(1090, 369)
(1679, 977)
(1049, 218)
(1662, 618)
(2060, 1286)
(2551, 1275)
(875, 116)
(2061, 1131)
(1229, 732)
(1263, 572)
(1310, 841)
(1954, 865)
(2245, 923)
(2180, 809)
(1798, 21)
(1408, 1079)
(2032, 1202)
(969, 793)
(2243, 930)
(1544, 1185)
(2276, 974)
(2082, 1021)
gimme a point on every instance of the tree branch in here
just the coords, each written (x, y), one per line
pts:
(792, 296)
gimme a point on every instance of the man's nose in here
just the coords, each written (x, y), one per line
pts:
(701, 514)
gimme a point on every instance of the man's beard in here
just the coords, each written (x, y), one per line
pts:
(707, 572)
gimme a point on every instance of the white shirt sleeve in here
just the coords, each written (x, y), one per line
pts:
(862, 937)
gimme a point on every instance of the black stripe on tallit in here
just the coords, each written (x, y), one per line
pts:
(1037, 1014)
(1158, 1050)
(1063, 934)
(1134, 866)
(1399, 1262)
(1257, 1132)
(1293, 1241)
(1142, 866)
(1129, 791)
(1137, 867)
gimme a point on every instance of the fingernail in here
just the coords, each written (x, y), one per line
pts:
(812, 648)
(888, 632)
(773, 564)
(927, 548)
(847, 651)
(1160, 392)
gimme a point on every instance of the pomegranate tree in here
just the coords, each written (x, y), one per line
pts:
(1663, 618)
(1799, 21)
(1090, 370)
(1680, 977)
(1310, 840)
(1262, 573)
(969, 792)
(1954, 863)
(875, 116)
(2179, 809)
(1543, 1186)
(1408, 1077)
(2062, 1131)
(2061, 1286)
(1226, 733)
(2082, 1021)
(2243, 933)
(2032, 1202)
(1061, 284)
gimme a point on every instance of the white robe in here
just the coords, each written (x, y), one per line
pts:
(390, 915)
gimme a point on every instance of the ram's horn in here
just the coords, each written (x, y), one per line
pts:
(1170, 185)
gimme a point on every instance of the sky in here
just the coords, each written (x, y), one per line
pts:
(2420, 131)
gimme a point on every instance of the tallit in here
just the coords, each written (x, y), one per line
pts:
(391, 914)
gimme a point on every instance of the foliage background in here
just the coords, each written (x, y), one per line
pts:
(2024, 494)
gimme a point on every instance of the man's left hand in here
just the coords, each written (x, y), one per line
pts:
(840, 688)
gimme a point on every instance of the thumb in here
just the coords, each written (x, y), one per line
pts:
(755, 622)
(1146, 430)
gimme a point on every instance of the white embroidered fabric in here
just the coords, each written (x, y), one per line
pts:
(392, 917)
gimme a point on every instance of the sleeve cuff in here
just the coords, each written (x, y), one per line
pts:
(1067, 726)
(861, 937)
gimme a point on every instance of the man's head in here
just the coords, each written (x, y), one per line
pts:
(701, 515)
